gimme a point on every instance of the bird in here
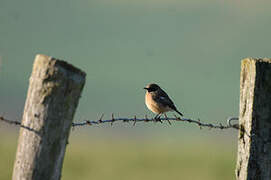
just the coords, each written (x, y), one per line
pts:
(157, 100)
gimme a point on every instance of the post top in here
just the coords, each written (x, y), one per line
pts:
(44, 59)
(265, 60)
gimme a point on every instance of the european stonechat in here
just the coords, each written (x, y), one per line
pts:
(158, 101)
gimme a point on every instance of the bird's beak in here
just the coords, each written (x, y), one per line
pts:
(145, 88)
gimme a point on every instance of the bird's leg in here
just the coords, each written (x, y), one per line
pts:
(167, 119)
(157, 118)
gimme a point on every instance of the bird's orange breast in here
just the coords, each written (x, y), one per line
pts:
(154, 106)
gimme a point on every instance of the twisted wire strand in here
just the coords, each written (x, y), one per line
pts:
(146, 119)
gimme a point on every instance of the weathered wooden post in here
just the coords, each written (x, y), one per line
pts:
(54, 91)
(254, 141)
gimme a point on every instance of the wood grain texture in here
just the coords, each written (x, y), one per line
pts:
(53, 95)
(254, 141)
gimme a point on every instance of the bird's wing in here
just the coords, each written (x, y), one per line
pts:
(164, 99)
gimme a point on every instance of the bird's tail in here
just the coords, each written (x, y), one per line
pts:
(179, 112)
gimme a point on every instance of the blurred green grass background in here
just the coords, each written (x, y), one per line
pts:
(192, 49)
(114, 158)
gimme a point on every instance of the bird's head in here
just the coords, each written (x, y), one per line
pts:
(152, 87)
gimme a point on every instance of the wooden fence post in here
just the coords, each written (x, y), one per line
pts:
(54, 91)
(254, 140)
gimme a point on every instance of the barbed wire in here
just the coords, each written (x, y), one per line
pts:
(146, 119)
(9, 121)
(161, 120)
(17, 123)
(229, 124)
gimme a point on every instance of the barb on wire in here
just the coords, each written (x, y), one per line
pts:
(134, 121)
(112, 120)
(100, 120)
(146, 119)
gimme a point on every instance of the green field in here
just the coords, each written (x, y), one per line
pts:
(87, 158)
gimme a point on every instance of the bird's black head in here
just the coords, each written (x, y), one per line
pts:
(152, 87)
